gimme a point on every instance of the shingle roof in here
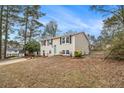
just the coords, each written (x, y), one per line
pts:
(66, 35)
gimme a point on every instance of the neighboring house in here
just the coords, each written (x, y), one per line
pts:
(65, 45)
(13, 49)
(12, 52)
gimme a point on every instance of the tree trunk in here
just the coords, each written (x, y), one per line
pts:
(26, 27)
(6, 33)
(1, 15)
(30, 37)
(31, 30)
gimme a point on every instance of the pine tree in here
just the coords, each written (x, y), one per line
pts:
(1, 16)
(30, 23)
(10, 19)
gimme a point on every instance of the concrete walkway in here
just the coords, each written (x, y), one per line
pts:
(6, 62)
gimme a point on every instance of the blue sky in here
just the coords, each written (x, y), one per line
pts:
(73, 17)
(78, 18)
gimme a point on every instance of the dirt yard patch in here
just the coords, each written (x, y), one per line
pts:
(62, 72)
(6, 62)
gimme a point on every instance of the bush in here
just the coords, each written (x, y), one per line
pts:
(118, 54)
(116, 50)
(77, 53)
(32, 46)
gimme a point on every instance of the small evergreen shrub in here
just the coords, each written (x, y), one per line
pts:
(77, 53)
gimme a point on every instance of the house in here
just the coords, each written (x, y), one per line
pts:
(12, 52)
(65, 45)
(13, 49)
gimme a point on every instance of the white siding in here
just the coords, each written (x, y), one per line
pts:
(59, 47)
(81, 43)
(68, 46)
(47, 49)
(78, 42)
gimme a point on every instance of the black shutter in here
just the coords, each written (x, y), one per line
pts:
(60, 40)
(51, 41)
(70, 39)
(45, 42)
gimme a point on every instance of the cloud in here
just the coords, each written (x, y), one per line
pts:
(95, 27)
(68, 19)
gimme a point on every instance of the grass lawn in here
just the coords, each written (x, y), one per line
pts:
(60, 71)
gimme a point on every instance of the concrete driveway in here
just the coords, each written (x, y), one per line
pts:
(11, 61)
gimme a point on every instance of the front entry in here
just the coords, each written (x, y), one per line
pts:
(54, 49)
(43, 53)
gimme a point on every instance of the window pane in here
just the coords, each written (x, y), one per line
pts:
(49, 42)
(67, 40)
(67, 51)
(63, 51)
(44, 42)
(49, 51)
(63, 40)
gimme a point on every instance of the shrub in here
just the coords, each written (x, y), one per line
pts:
(32, 46)
(116, 50)
(77, 53)
(118, 54)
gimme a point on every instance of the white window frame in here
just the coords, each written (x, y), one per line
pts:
(63, 39)
(68, 37)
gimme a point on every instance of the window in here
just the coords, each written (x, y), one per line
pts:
(67, 51)
(67, 39)
(63, 51)
(44, 42)
(49, 42)
(60, 41)
(49, 51)
(63, 40)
